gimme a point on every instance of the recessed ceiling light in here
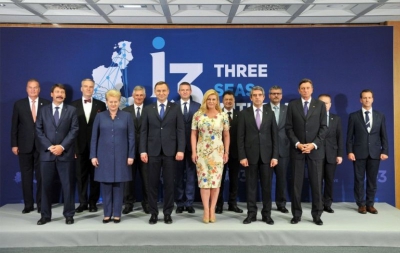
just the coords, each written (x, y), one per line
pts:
(132, 6)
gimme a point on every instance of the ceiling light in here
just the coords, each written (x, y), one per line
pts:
(137, 6)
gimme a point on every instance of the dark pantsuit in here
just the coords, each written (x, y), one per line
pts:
(233, 166)
(281, 183)
(365, 167)
(186, 178)
(112, 198)
(315, 177)
(30, 165)
(168, 164)
(66, 172)
(328, 177)
(264, 172)
(129, 191)
(85, 178)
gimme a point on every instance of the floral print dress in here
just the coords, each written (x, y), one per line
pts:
(210, 148)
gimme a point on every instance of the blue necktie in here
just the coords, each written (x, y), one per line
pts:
(367, 121)
(305, 108)
(56, 115)
(185, 111)
(138, 113)
(162, 111)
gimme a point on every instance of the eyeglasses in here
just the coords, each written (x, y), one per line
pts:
(275, 94)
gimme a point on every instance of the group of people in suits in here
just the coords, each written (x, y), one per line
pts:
(185, 141)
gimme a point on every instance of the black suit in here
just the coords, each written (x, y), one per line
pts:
(306, 129)
(84, 167)
(23, 136)
(367, 148)
(233, 165)
(161, 139)
(333, 148)
(64, 134)
(138, 165)
(283, 160)
(259, 146)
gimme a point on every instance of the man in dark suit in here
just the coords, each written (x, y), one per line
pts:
(24, 143)
(280, 110)
(138, 95)
(86, 109)
(56, 128)
(162, 143)
(333, 152)
(185, 176)
(258, 153)
(367, 145)
(306, 129)
(233, 165)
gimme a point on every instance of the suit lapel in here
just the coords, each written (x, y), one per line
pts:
(311, 108)
(299, 106)
(361, 118)
(62, 116)
(282, 114)
(167, 109)
(93, 112)
(155, 110)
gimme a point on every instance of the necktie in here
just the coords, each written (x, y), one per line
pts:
(230, 117)
(87, 100)
(162, 111)
(367, 121)
(327, 120)
(33, 111)
(258, 119)
(276, 110)
(305, 108)
(185, 112)
(56, 115)
(138, 113)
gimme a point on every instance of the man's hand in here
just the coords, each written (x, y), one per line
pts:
(307, 148)
(274, 162)
(244, 162)
(95, 162)
(351, 157)
(179, 156)
(384, 157)
(144, 157)
(56, 150)
(130, 161)
(15, 150)
(339, 160)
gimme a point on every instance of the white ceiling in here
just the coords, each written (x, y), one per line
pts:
(199, 11)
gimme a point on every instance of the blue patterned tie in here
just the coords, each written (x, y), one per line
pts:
(138, 113)
(185, 110)
(305, 108)
(162, 111)
(367, 121)
(56, 115)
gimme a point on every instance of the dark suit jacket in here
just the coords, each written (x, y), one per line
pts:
(167, 134)
(23, 133)
(193, 108)
(334, 139)
(137, 122)
(310, 129)
(85, 128)
(284, 144)
(233, 146)
(64, 134)
(362, 143)
(254, 143)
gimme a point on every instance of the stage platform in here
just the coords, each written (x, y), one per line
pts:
(345, 227)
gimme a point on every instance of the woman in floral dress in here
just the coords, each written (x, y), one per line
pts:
(210, 147)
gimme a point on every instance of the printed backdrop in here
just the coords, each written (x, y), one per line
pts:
(340, 61)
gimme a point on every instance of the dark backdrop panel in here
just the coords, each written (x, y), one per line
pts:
(340, 61)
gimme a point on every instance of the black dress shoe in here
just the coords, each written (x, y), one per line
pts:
(43, 221)
(167, 219)
(328, 209)
(127, 209)
(235, 209)
(153, 219)
(249, 219)
(81, 208)
(105, 221)
(179, 209)
(92, 208)
(318, 221)
(190, 209)
(282, 209)
(268, 220)
(145, 208)
(69, 220)
(117, 220)
(218, 209)
(295, 220)
(27, 210)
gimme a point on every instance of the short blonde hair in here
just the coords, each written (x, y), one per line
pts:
(203, 107)
(113, 93)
